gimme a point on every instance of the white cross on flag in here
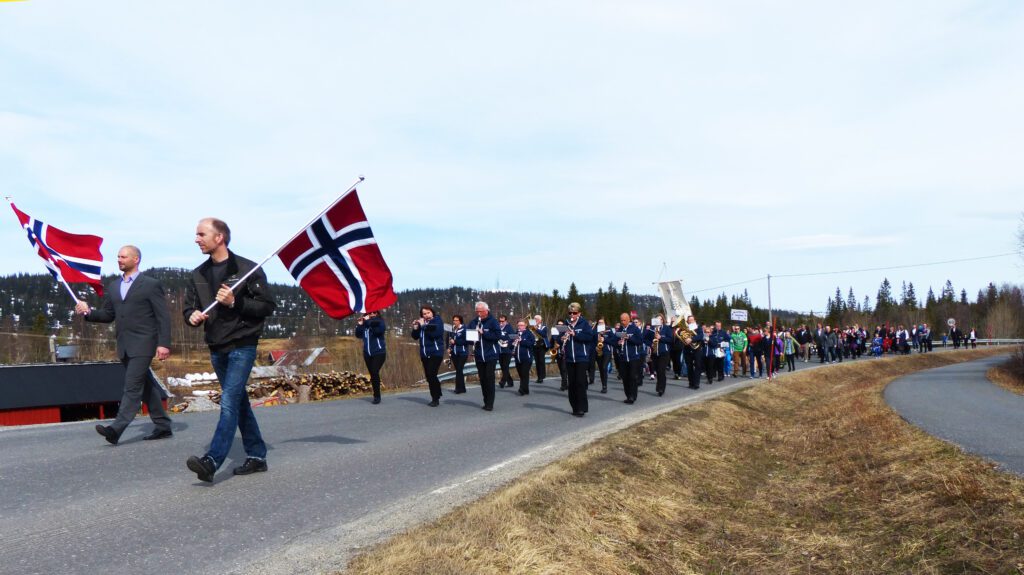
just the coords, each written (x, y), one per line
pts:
(337, 261)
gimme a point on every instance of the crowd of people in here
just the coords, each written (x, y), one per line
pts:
(585, 353)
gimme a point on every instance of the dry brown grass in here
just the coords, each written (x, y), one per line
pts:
(812, 474)
(1006, 379)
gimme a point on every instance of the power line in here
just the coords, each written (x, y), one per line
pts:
(837, 272)
(907, 266)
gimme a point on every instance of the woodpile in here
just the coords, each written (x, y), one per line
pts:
(318, 386)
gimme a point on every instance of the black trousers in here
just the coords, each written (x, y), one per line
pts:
(540, 358)
(693, 367)
(576, 372)
(591, 368)
(430, 367)
(602, 364)
(561, 370)
(138, 389)
(634, 372)
(485, 371)
(523, 369)
(373, 365)
(660, 367)
(459, 361)
(505, 360)
(677, 361)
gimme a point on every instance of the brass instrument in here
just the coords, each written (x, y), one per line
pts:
(600, 345)
(686, 335)
(657, 340)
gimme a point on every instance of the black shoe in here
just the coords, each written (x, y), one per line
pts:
(159, 434)
(539, 381)
(488, 408)
(521, 392)
(376, 400)
(604, 390)
(563, 388)
(577, 414)
(630, 401)
(108, 433)
(434, 403)
(204, 467)
(458, 392)
(661, 393)
(251, 465)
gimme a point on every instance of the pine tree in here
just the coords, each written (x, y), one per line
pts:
(574, 294)
(746, 297)
(903, 293)
(963, 296)
(840, 305)
(866, 306)
(625, 299)
(948, 293)
(929, 301)
(911, 297)
(851, 301)
(884, 298)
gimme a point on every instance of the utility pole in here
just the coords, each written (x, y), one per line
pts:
(770, 300)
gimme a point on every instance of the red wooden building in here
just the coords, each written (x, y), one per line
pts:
(58, 392)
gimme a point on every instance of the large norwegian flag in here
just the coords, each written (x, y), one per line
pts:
(337, 261)
(74, 257)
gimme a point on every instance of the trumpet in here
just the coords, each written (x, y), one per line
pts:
(657, 340)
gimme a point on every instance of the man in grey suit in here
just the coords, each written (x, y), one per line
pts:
(143, 330)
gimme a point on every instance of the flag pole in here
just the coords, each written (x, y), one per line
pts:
(242, 279)
(59, 275)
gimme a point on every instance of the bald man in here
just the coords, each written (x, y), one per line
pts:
(143, 331)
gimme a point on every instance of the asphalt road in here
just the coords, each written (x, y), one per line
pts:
(343, 475)
(958, 404)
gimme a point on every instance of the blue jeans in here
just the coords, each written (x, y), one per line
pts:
(233, 369)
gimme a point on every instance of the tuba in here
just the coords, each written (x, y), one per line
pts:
(686, 335)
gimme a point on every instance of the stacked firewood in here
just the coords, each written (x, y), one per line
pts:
(320, 386)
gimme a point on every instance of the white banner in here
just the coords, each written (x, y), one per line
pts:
(738, 315)
(674, 300)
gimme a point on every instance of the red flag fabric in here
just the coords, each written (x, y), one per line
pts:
(74, 257)
(337, 261)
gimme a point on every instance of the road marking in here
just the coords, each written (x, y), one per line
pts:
(491, 470)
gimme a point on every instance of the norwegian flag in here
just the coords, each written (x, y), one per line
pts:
(337, 261)
(73, 257)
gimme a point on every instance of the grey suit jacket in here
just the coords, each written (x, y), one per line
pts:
(143, 322)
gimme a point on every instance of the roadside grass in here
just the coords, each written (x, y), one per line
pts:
(1010, 374)
(812, 473)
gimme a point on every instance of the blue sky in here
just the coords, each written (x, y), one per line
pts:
(531, 144)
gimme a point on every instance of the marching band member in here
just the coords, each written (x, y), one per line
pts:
(370, 328)
(540, 348)
(692, 344)
(523, 352)
(429, 330)
(458, 351)
(576, 346)
(505, 351)
(661, 352)
(632, 342)
(603, 352)
(560, 359)
(485, 352)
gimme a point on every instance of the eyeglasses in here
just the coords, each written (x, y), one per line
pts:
(574, 313)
